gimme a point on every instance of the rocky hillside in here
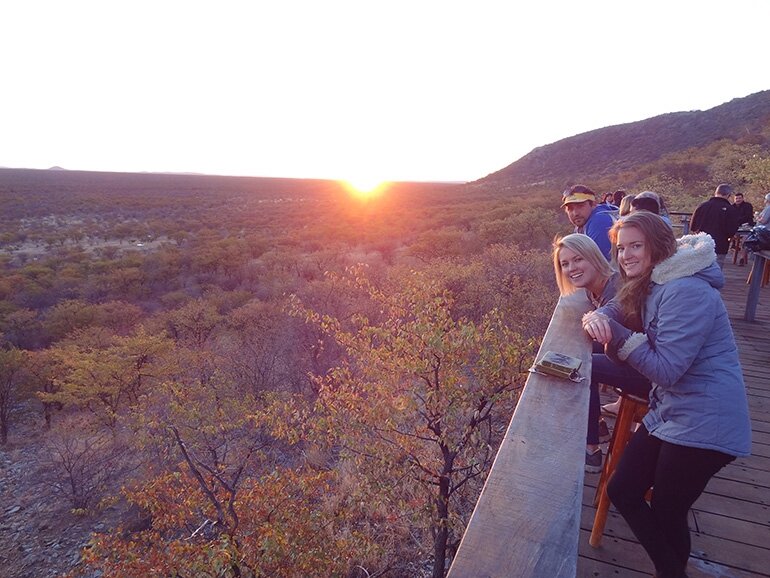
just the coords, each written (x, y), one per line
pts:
(622, 148)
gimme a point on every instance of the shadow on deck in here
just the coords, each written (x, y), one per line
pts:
(731, 521)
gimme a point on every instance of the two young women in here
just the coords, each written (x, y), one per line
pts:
(579, 264)
(668, 323)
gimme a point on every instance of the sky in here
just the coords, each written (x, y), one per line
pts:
(359, 90)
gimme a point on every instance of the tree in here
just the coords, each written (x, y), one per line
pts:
(289, 527)
(757, 172)
(81, 459)
(11, 364)
(258, 346)
(41, 368)
(108, 376)
(193, 323)
(22, 328)
(68, 316)
(415, 399)
(219, 504)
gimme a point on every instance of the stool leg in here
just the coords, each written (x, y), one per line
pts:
(751, 272)
(620, 438)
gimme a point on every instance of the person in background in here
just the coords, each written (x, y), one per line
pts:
(744, 215)
(669, 323)
(744, 212)
(579, 264)
(717, 218)
(648, 201)
(617, 196)
(607, 200)
(589, 217)
(764, 217)
(625, 205)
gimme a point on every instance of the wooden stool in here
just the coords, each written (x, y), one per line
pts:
(765, 273)
(632, 410)
(735, 246)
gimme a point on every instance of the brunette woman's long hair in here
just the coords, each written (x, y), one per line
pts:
(661, 244)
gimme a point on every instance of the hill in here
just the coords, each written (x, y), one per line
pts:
(627, 148)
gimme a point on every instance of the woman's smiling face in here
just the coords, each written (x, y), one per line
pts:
(633, 252)
(581, 273)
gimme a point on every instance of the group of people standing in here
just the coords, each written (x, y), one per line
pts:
(660, 331)
(721, 219)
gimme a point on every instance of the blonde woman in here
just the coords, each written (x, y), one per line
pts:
(580, 265)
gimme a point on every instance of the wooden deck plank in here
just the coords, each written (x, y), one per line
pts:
(732, 529)
(738, 490)
(746, 550)
(731, 520)
(758, 437)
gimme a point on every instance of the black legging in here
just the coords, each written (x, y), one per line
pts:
(678, 475)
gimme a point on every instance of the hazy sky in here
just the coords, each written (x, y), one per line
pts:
(416, 89)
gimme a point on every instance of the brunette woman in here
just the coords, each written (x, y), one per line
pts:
(676, 333)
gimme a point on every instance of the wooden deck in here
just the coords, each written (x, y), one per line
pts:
(731, 520)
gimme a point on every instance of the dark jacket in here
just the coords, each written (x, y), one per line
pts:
(717, 218)
(744, 213)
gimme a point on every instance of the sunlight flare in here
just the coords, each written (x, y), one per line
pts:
(364, 187)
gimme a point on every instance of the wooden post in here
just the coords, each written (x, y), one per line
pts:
(756, 283)
(527, 520)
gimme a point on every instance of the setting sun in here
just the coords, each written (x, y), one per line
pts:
(364, 187)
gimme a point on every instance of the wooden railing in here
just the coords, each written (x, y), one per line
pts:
(527, 519)
(680, 220)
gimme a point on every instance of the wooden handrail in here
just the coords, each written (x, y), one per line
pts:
(527, 520)
(684, 220)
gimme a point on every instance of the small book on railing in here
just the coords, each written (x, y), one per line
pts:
(559, 365)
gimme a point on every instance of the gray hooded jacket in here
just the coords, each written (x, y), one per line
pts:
(688, 352)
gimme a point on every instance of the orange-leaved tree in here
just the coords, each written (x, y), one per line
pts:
(225, 498)
(412, 403)
(288, 528)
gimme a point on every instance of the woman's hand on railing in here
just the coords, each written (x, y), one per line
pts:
(597, 326)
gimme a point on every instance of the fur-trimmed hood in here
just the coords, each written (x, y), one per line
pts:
(694, 256)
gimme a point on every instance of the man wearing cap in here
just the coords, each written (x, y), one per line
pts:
(717, 218)
(589, 217)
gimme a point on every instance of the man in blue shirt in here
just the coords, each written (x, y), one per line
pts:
(589, 217)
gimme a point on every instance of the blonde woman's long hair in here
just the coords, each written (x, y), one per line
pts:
(625, 205)
(660, 242)
(584, 246)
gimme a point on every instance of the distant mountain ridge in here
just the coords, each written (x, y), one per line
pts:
(613, 149)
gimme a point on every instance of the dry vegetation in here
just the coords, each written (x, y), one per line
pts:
(257, 377)
(263, 377)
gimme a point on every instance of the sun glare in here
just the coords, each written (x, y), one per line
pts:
(363, 187)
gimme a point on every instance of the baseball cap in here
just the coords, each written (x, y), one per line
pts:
(577, 194)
